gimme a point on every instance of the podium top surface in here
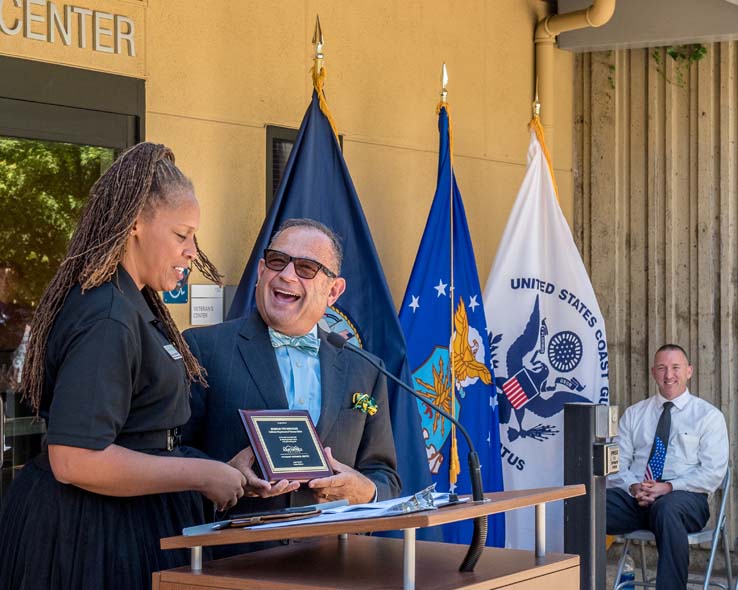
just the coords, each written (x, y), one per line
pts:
(495, 502)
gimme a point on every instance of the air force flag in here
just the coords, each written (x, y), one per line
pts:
(548, 342)
(442, 310)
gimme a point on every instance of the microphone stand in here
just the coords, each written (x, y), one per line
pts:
(479, 536)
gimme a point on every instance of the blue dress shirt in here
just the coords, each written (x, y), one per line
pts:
(301, 378)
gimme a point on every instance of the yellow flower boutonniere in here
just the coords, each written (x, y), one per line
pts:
(365, 403)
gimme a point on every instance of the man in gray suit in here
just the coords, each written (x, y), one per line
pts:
(279, 358)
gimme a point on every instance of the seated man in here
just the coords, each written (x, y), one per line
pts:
(278, 358)
(673, 454)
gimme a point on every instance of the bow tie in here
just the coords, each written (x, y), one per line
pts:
(309, 344)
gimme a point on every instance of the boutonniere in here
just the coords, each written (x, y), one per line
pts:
(365, 403)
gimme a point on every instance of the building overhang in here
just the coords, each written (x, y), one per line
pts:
(654, 23)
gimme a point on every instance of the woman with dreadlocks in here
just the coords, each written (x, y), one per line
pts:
(109, 371)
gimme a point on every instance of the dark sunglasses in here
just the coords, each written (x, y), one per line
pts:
(305, 268)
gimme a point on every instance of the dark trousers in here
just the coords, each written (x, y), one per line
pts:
(670, 518)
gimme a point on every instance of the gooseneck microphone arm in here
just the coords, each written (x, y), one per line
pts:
(479, 536)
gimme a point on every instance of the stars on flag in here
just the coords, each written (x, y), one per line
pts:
(473, 302)
(655, 466)
(415, 303)
(441, 287)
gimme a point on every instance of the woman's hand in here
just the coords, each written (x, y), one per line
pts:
(223, 485)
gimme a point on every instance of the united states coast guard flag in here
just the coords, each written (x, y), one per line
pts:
(438, 295)
(548, 341)
(317, 184)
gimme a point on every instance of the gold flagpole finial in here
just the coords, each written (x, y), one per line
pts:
(318, 43)
(319, 73)
(444, 82)
(536, 103)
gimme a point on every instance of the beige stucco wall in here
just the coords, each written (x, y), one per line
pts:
(218, 71)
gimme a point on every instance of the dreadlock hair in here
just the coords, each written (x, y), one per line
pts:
(143, 178)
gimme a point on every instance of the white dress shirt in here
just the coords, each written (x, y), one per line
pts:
(697, 453)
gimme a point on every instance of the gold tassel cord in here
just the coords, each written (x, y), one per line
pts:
(318, 82)
(454, 467)
(535, 125)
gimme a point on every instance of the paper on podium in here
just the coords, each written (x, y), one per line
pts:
(391, 507)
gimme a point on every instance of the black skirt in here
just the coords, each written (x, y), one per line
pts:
(56, 536)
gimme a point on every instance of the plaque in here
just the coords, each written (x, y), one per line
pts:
(285, 444)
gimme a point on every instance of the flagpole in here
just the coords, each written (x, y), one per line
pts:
(319, 73)
(479, 535)
(455, 465)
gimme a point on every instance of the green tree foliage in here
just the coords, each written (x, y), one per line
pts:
(43, 187)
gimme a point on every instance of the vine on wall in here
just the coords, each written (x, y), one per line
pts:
(683, 56)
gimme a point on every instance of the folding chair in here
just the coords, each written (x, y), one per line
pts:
(707, 535)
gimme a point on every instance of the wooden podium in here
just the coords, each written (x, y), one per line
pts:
(341, 561)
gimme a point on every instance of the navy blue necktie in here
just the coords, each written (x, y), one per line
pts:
(657, 458)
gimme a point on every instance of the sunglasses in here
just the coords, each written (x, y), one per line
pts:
(305, 268)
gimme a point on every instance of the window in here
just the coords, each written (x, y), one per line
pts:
(279, 147)
(280, 141)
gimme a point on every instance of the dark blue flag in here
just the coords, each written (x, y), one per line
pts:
(439, 295)
(317, 184)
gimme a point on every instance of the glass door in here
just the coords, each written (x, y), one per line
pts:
(43, 187)
(60, 128)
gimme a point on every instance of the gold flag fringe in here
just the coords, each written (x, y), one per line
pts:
(318, 82)
(535, 125)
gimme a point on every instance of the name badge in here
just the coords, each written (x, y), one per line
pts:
(173, 352)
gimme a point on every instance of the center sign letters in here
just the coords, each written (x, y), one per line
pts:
(43, 20)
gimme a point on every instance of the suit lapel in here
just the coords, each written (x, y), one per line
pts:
(261, 362)
(332, 385)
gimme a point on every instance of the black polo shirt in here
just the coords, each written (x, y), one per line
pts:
(110, 370)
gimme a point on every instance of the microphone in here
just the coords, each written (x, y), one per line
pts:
(479, 538)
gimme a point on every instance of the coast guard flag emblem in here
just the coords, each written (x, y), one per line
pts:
(519, 389)
(547, 342)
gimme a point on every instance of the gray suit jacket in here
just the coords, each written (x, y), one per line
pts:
(243, 374)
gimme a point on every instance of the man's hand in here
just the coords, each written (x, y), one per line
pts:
(255, 486)
(346, 483)
(649, 491)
